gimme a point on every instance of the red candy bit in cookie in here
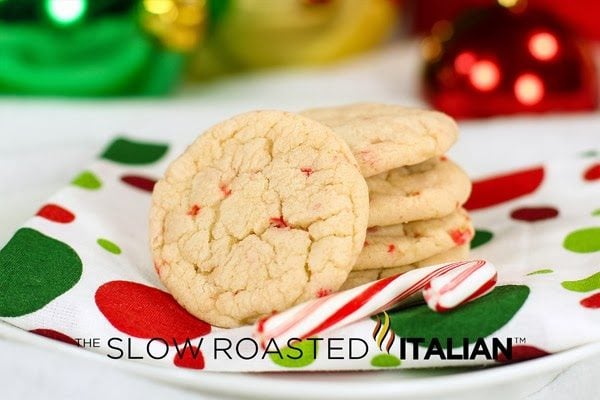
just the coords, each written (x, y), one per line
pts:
(225, 190)
(459, 236)
(279, 222)
(307, 171)
(443, 158)
(391, 248)
(323, 292)
(194, 210)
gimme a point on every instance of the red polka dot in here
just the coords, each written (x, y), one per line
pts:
(591, 302)
(592, 173)
(146, 312)
(139, 182)
(502, 188)
(522, 353)
(190, 357)
(391, 248)
(533, 214)
(52, 334)
(56, 213)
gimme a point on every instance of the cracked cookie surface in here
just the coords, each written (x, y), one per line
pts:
(357, 278)
(431, 189)
(263, 211)
(383, 136)
(402, 244)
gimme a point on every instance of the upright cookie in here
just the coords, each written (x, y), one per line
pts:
(263, 211)
(357, 278)
(384, 137)
(431, 189)
(402, 244)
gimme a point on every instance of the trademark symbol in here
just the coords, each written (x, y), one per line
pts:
(519, 340)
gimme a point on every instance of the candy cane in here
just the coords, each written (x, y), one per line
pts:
(459, 286)
(444, 286)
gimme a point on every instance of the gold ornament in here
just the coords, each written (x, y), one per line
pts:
(178, 24)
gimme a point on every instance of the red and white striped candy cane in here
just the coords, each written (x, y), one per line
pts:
(339, 309)
(459, 286)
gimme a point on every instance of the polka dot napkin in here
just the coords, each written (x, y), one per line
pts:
(80, 272)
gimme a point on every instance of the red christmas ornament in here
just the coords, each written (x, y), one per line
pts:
(497, 61)
(581, 16)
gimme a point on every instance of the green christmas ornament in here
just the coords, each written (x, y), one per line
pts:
(81, 48)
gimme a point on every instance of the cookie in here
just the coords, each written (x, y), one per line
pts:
(383, 137)
(431, 189)
(357, 278)
(263, 211)
(402, 244)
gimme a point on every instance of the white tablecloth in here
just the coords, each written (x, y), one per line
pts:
(43, 143)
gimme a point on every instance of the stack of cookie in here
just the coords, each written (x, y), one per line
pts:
(269, 209)
(415, 193)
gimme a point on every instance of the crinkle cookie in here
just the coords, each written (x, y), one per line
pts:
(263, 211)
(384, 136)
(431, 189)
(402, 244)
(357, 278)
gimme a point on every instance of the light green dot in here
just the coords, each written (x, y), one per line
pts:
(109, 246)
(87, 180)
(385, 361)
(299, 355)
(596, 212)
(588, 284)
(541, 271)
(585, 240)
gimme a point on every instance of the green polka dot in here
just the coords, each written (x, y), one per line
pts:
(299, 360)
(541, 271)
(87, 180)
(385, 361)
(34, 270)
(590, 153)
(109, 246)
(596, 212)
(481, 238)
(479, 318)
(585, 240)
(126, 151)
(588, 284)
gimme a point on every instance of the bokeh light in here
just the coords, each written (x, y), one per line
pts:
(543, 46)
(484, 75)
(464, 61)
(65, 12)
(508, 3)
(529, 89)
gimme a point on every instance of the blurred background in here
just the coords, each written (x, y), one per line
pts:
(476, 58)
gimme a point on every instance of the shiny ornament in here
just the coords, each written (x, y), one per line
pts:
(178, 24)
(105, 57)
(581, 16)
(499, 61)
(264, 33)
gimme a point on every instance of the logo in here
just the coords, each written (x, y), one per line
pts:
(383, 330)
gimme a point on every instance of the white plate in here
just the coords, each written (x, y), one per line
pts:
(508, 381)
